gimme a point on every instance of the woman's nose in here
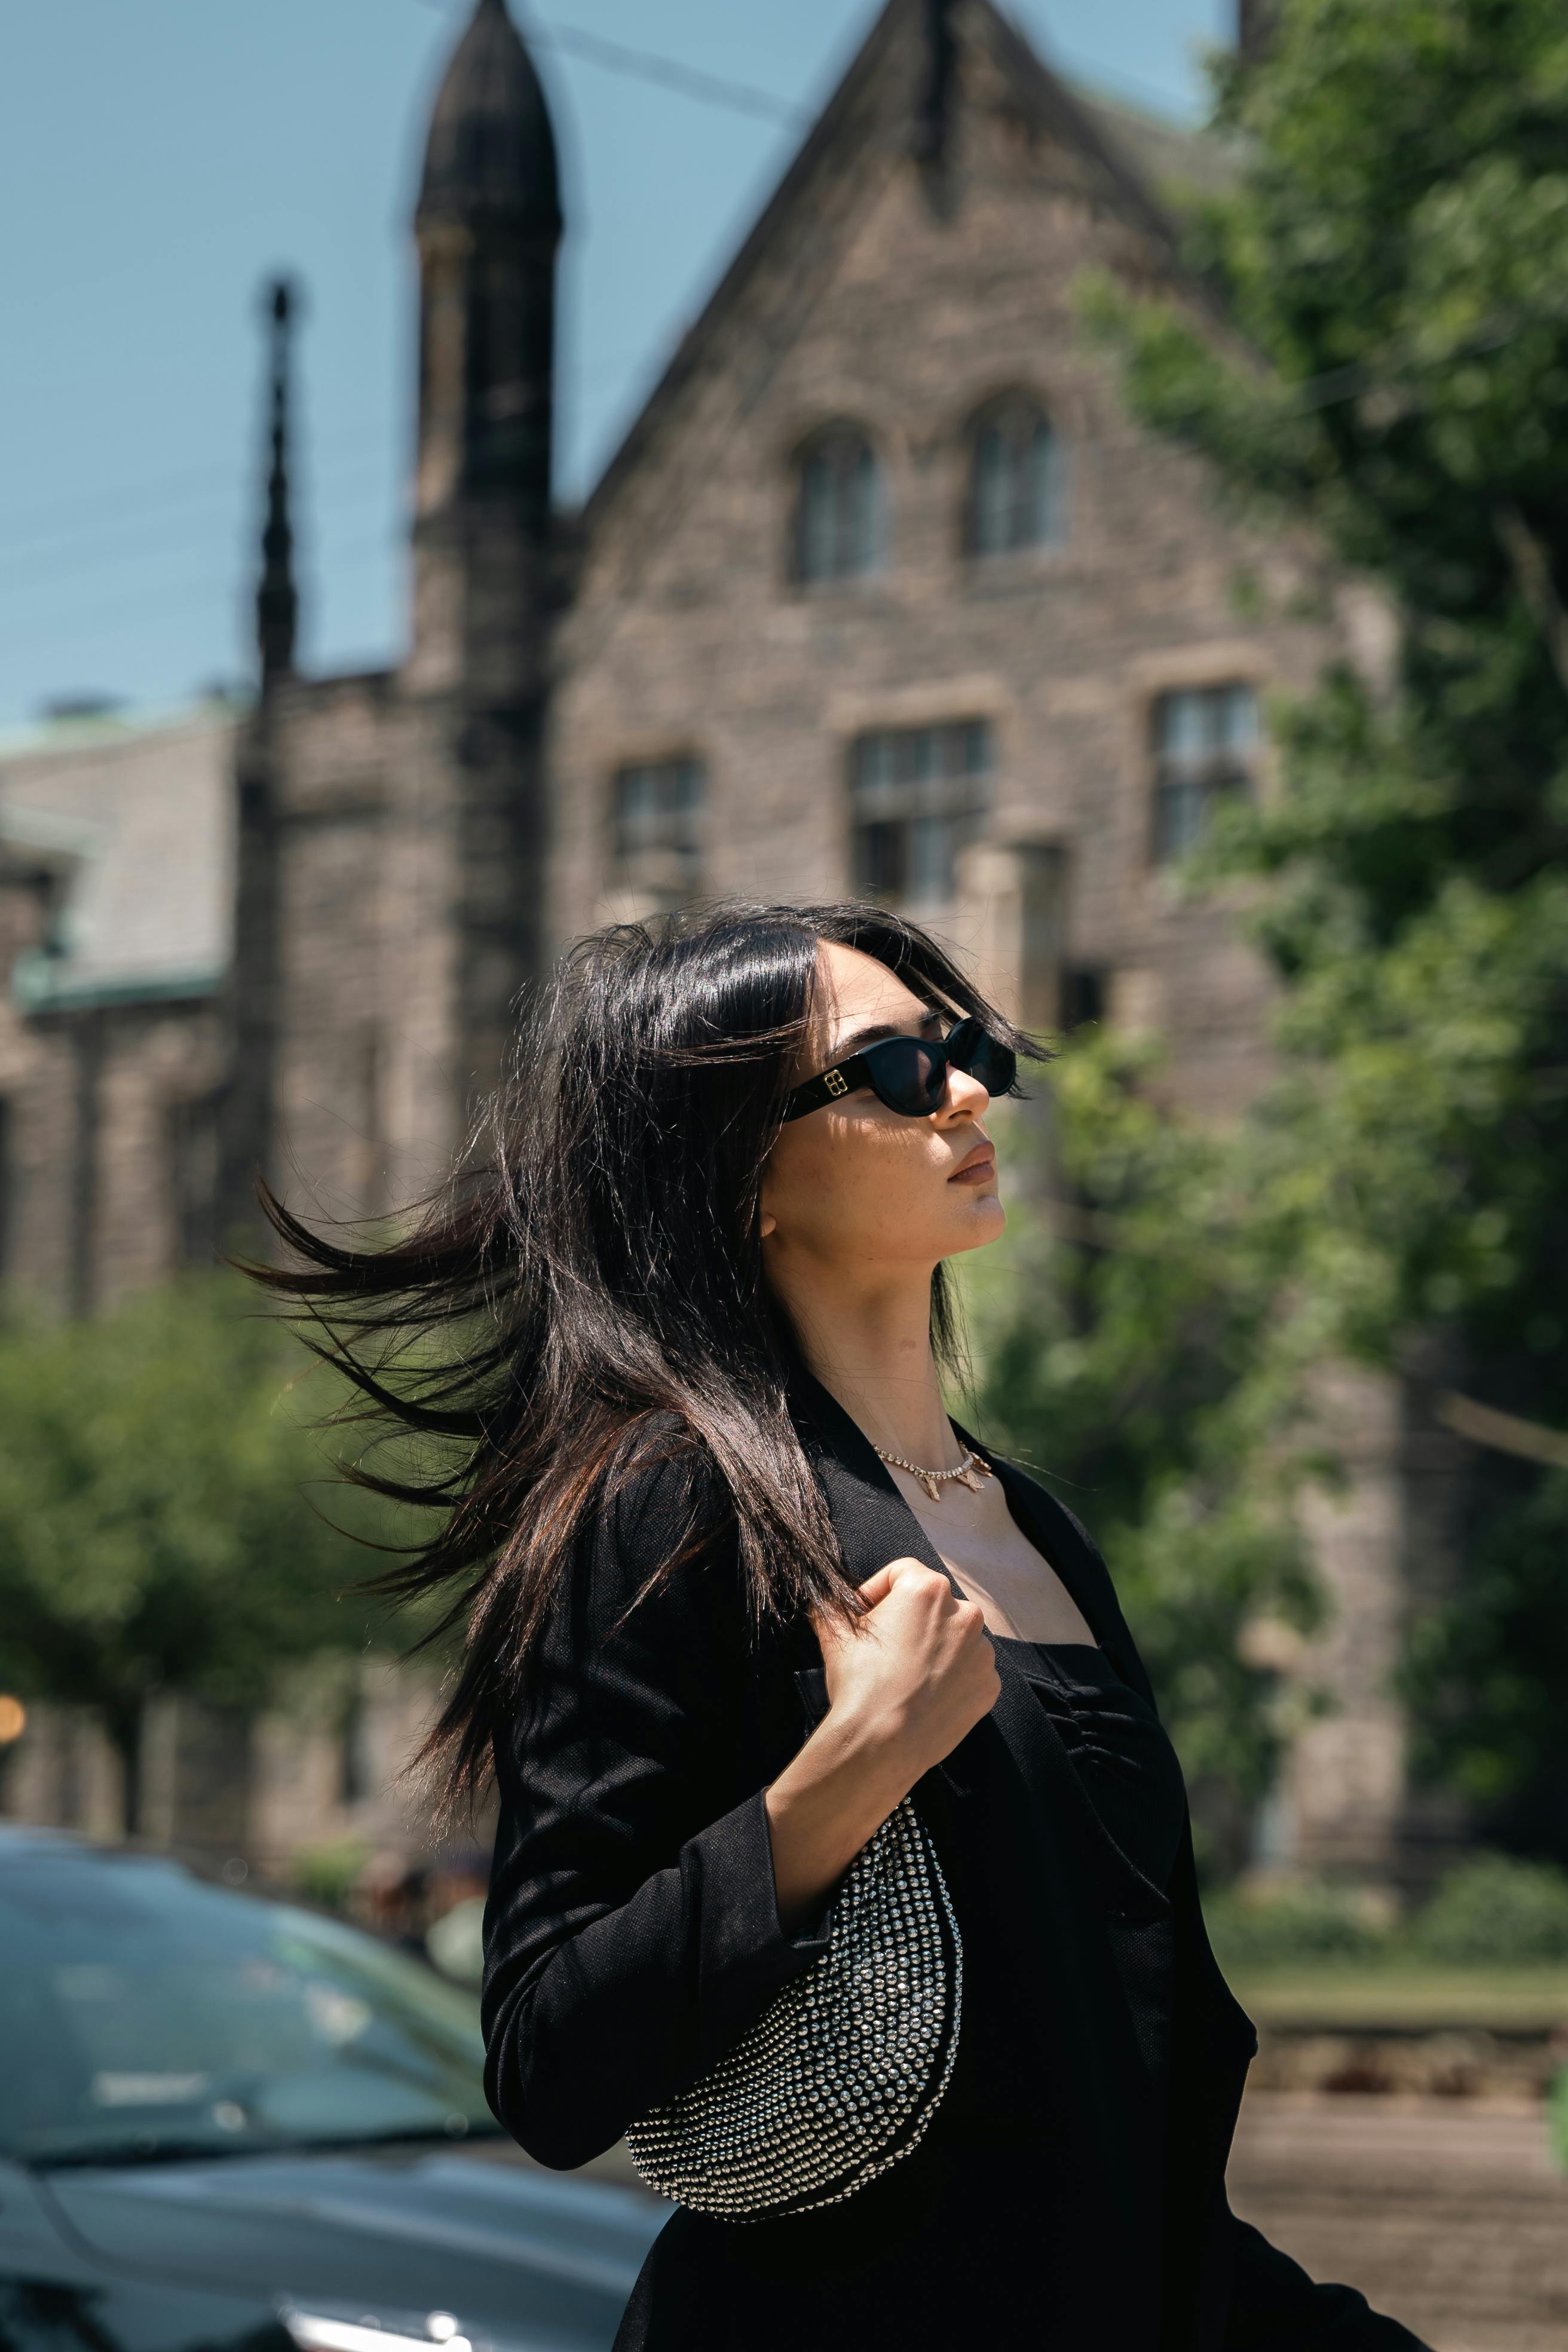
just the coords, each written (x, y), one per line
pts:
(965, 1096)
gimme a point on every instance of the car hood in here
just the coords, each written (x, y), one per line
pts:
(521, 2257)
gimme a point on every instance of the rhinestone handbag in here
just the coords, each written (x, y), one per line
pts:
(842, 2073)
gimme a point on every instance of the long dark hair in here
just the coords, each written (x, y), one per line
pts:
(584, 1294)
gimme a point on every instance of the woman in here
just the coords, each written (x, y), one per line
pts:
(735, 1584)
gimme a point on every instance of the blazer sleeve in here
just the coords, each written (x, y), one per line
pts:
(632, 1933)
(1275, 2307)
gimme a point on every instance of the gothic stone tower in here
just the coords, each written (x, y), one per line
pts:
(488, 225)
(390, 824)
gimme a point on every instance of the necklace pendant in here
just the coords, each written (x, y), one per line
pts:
(929, 1482)
(968, 1476)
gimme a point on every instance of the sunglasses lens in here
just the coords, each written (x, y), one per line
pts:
(996, 1065)
(909, 1074)
(970, 1049)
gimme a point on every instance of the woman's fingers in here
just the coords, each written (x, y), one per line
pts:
(876, 1587)
(870, 1594)
(917, 1672)
(874, 1591)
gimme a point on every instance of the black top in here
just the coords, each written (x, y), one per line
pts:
(1124, 1760)
(1125, 1765)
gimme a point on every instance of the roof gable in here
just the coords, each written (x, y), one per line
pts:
(881, 109)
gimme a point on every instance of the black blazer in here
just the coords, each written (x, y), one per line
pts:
(632, 1933)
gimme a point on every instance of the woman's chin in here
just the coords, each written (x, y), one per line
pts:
(985, 1222)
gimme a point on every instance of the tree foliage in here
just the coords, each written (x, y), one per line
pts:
(165, 1518)
(1392, 389)
(1131, 1352)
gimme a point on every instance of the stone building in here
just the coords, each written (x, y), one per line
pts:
(882, 592)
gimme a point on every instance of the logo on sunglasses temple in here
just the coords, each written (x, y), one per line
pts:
(835, 1082)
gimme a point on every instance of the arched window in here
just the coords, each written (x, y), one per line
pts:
(1015, 485)
(838, 506)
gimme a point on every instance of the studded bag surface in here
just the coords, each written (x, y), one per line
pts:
(842, 2073)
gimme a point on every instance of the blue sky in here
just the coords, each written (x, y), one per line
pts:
(158, 157)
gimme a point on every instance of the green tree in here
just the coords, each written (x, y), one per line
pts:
(165, 1519)
(1131, 1350)
(1393, 263)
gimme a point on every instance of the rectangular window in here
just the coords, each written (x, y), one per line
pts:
(1083, 996)
(917, 794)
(1205, 745)
(191, 1136)
(657, 825)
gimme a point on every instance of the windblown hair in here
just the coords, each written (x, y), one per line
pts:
(584, 1293)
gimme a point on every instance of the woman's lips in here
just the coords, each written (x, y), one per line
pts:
(980, 1164)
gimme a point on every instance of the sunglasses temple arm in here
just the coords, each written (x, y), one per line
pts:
(830, 1086)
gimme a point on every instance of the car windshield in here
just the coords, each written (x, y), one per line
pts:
(144, 2014)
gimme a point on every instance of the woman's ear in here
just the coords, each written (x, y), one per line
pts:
(770, 1223)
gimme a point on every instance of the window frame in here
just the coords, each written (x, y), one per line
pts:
(629, 861)
(855, 445)
(192, 1155)
(1220, 766)
(952, 801)
(1000, 409)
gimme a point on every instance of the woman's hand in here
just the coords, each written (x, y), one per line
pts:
(917, 1672)
(904, 1684)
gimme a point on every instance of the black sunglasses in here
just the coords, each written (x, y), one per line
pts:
(910, 1074)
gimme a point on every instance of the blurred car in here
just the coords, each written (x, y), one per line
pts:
(226, 2121)
(456, 1941)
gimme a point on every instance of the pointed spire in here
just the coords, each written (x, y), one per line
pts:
(277, 599)
(492, 151)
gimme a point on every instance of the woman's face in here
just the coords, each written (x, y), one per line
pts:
(856, 1185)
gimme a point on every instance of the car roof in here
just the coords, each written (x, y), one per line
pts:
(18, 1838)
(31, 1842)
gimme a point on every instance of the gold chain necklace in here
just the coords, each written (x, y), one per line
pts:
(969, 1473)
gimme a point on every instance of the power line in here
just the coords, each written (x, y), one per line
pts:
(77, 543)
(667, 73)
(231, 592)
(184, 483)
(88, 559)
(165, 493)
(158, 493)
(1114, 86)
(613, 57)
(707, 90)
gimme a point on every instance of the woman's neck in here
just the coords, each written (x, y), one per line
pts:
(871, 1350)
